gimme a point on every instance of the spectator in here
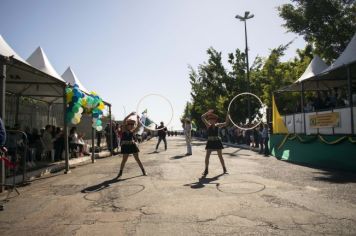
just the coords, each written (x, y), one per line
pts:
(58, 144)
(48, 139)
(98, 134)
(309, 106)
(265, 137)
(73, 142)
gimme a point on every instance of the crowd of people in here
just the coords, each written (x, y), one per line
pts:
(322, 100)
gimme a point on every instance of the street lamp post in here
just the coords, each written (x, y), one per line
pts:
(244, 19)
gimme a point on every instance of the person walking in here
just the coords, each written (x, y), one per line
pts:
(214, 141)
(187, 127)
(265, 138)
(128, 145)
(162, 132)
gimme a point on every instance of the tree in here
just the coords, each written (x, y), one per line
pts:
(328, 25)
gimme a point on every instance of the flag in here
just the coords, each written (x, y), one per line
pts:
(147, 121)
(277, 122)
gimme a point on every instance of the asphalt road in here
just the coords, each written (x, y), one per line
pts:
(259, 196)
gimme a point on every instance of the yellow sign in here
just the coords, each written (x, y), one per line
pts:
(325, 120)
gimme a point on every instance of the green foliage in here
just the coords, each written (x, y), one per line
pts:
(327, 24)
(213, 86)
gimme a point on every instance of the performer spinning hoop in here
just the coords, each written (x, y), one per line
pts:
(237, 113)
(160, 96)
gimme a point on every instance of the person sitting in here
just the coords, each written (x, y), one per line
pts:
(309, 106)
(73, 142)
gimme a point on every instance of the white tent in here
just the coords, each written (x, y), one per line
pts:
(24, 79)
(70, 77)
(7, 51)
(39, 60)
(316, 66)
(348, 56)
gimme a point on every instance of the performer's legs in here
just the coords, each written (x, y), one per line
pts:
(266, 147)
(222, 160)
(123, 162)
(159, 141)
(206, 171)
(137, 159)
(165, 143)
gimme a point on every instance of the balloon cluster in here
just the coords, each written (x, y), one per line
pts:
(78, 102)
(74, 105)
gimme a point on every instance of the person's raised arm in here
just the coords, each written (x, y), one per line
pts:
(203, 118)
(138, 125)
(226, 123)
(128, 116)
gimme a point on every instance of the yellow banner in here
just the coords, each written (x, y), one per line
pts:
(324, 120)
(278, 125)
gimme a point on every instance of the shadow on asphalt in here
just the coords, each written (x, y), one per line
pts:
(177, 157)
(336, 177)
(203, 181)
(154, 152)
(328, 174)
(104, 185)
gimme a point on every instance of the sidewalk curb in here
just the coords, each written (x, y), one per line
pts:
(55, 167)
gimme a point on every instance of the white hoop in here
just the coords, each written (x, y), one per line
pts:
(154, 94)
(228, 110)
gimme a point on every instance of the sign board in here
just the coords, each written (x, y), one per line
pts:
(331, 119)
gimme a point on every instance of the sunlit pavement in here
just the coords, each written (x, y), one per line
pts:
(259, 196)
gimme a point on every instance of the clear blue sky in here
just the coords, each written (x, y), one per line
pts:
(124, 50)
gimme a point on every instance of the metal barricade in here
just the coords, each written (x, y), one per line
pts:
(17, 146)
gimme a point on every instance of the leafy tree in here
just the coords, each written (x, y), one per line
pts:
(328, 25)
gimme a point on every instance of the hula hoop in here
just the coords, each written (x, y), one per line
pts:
(228, 110)
(159, 95)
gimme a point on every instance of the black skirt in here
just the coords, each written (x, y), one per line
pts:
(129, 148)
(214, 145)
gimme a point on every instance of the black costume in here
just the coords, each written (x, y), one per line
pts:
(162, 131)
(214, 141)
(128, 145)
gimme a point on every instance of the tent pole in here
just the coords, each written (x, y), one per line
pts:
(302, 107)
(349, 85)
(111, 141)
(65, 133)
(17, 109)
(49, 114)
(92, 144)
(2, 114)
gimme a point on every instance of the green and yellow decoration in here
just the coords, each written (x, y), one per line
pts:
(79, 103)
(312, 138)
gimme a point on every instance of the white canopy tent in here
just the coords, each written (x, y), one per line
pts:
(7, 51)
(316, 66)
(348, 56)
(341, 73)
(319, 77)
(18, 78)
(70, 77)
(37, 79)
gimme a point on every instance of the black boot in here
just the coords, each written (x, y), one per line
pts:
(224, 169)
(119, 175)
(205, 173)
(144, 172)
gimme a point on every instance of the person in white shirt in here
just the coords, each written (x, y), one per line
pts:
(187, 127)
